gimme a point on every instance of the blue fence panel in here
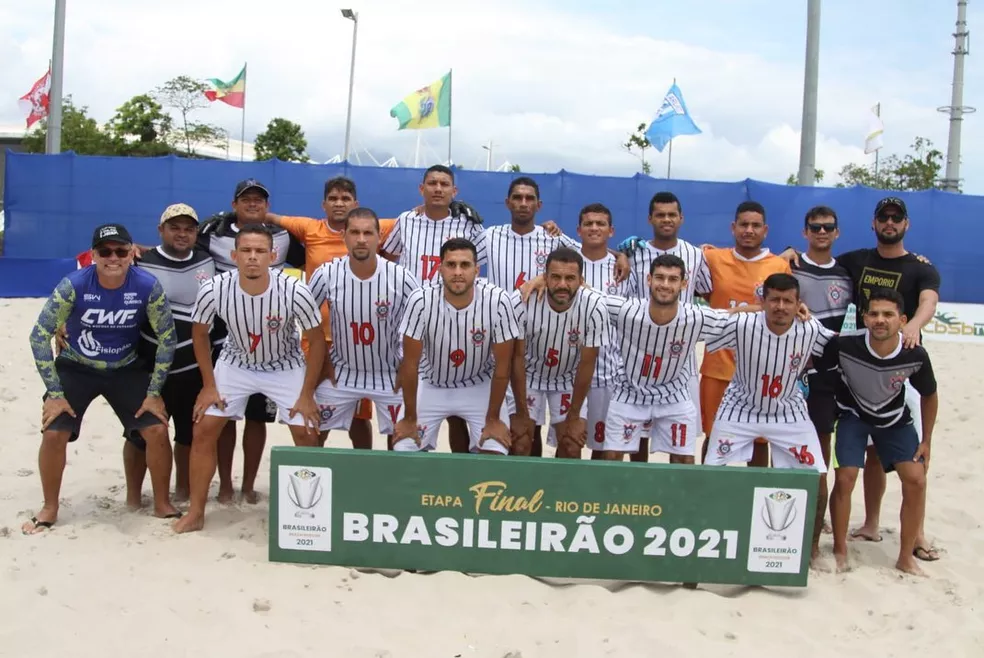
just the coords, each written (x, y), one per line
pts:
(53, 203)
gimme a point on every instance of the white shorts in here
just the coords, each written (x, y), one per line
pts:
(235, 385)
(672, 428)
(544, 403)
(795, 445)
(338, 405)
(435, 405)
(914, 401)
(599, 400)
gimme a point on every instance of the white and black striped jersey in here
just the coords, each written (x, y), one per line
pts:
(554, 340)
(655, 359)
(367, 345)
(698, 274)
(873, 387)
(417, 240)
(217, 236)
(181, 280)
(600, 276)
(767, 365)
(262, 332)
(514, 258)
(457, 344)
(825, 289)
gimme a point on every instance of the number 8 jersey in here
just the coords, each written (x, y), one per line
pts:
(457, 350)
(767, 366)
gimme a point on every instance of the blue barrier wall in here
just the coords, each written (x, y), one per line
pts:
(53, 203)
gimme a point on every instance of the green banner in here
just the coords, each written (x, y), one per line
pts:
(541, 517)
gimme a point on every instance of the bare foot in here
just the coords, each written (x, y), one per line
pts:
(841, 562)
(817, 563)
(908, 564)
(180, 496)
(134, 501)
(43, 521)
(166, 511)
(190, 522)
(251, 497)
(826, 529)
(866, 533)
(226, 495)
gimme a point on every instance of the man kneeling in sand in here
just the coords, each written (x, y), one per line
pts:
(874, 366)
(262, 354)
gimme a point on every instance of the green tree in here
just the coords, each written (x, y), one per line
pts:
(919, 170)
(515, 169)
(80, 133)
(140, 127)
(638, 140)
(283, 140)
(794, 178)
(187, 95)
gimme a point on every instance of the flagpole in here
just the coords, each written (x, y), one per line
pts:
(877, 114)
(669, 159)
(242, 129)
(57, 66)
(416, 152)
(451, 80)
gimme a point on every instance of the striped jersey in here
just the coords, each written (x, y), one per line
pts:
(416, 240)
(457, 344)
(181, 280)
(764, 388)
(365, 320)
(262, 333)
(657, 367)
(554, 340)
(872, 387)
(515, 258)
(217, 236)
(600, 276)
(698, 274)
(825, 289)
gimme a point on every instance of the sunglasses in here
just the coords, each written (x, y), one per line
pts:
(106, 252)
(895, 219)
(817, 228)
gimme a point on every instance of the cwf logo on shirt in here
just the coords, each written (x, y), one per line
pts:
(102, 317)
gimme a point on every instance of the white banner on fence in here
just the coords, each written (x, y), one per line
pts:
(957, 323)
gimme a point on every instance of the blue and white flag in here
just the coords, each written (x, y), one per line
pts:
(672, 120)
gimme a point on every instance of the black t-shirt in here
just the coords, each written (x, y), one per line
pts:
(909, 275)
(873, 387)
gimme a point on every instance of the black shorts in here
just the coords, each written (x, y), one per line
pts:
(822, 406)
(179, 394)
(123, 388)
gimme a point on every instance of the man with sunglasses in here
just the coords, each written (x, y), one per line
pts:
(825, 288)
(103, 307)
(889, 265)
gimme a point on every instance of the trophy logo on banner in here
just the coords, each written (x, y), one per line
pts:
(779, 512)
(304, 490)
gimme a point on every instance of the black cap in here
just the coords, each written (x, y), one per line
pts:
(251, 184)
(891, 201)
(111, 233)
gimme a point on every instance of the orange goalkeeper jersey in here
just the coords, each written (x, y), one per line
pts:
(735, 281)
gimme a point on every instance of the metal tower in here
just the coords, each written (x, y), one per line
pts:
(956, 108)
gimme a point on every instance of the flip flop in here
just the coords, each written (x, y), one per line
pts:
(925, 554)
(38, 524)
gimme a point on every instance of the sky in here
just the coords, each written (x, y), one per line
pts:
(554, 84)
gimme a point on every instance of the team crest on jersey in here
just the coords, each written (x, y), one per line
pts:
(676, 348)
(326, 411)
(382, 309)
(478, 336)
(541, 259)
(274, 322)
(898, 381)
(724, 447)
(760, 291)
(201, 276)
(573, 337)
(837, 291)
(611, 287)
(795, 360)
(628, 431)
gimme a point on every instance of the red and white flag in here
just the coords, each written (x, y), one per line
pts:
(35, 102)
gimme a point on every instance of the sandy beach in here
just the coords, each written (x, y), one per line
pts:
(108, 582)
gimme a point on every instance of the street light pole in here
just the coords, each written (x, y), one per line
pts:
(808, 129)
(53, 144)
(354, 17)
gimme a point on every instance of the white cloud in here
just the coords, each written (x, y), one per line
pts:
(553, 90)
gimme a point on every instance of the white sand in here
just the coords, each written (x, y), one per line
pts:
(106, 582)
